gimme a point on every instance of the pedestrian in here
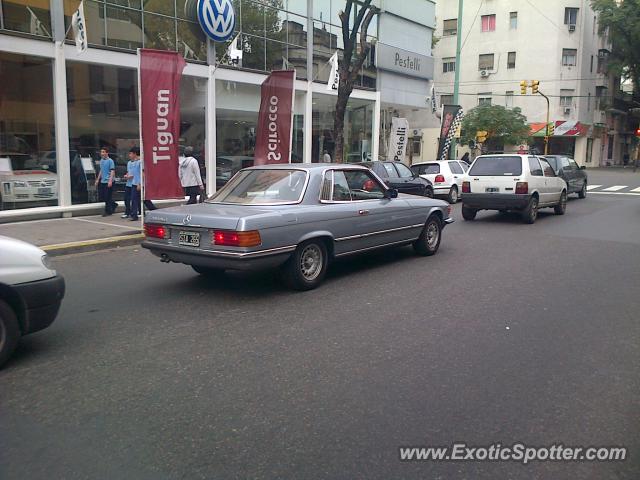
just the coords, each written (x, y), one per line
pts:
(104, 182)
(135, 174)
(129, 185)
(465, 158)
(189, 173)
(326, 158)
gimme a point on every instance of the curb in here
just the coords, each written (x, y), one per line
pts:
(92, 245)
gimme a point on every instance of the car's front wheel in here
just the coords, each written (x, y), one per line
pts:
(307, 267)
(9, 332)
(583, 191)
(428, 242)
(469, 213)
(530, 214)
(453, 195)
(562, 206)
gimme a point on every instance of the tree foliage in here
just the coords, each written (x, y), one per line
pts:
(503, 126)
(621, 18)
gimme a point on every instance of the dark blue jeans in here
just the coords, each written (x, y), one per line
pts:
(106, 193)
(127, 200)
(135, 202)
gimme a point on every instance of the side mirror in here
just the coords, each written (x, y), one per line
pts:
(583, 167)
(391, 193)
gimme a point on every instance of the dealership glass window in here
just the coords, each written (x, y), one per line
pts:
(28, 165)
(26, 16)
(450, 27)
(511, 60)
(358, 129)
(159, 32)
(569, 56)
(94, 18)
(485, 61)
(124, 28)
(103, 112)
(448, 64)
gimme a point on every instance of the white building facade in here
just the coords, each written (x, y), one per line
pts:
(554, 41)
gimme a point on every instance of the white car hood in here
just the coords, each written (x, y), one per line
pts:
(21, 262)
(27, 175)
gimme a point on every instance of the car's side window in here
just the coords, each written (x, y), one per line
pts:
(548, 171)
(327, 183)
(573, 164)
(363, 185)
(390, 169)
(341, 191)
(405, 172)
(564, 163)
(534, 167)
(464, 165)
(456, 168)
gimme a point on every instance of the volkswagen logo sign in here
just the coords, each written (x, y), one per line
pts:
(186, 220)
(217, 19)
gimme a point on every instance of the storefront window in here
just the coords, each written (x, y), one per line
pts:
(28, 166)
(193, 132)
(27, 16)
(358, 129)
(103, 112)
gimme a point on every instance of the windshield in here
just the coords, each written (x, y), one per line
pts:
(491, 166)
(427, 169)
(17, 162)
(263, 187)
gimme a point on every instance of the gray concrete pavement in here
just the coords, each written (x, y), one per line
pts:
(512, 333)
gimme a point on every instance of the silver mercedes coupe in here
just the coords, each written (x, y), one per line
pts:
(296, 217)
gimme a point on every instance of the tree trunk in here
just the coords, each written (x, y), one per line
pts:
(338, 123)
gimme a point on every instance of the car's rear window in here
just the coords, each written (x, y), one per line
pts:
(553, 161)
(496, 166)
(263, 187)
(426, 169)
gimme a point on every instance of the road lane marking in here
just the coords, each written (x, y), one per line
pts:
(636, 190)
(592, 187)
(615, 188)
(629, 194)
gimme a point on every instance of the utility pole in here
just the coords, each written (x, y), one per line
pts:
(456, 85)
(535, 88)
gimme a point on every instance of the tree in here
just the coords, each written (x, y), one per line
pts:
(504, 126)
(621, 18)
(349, 66)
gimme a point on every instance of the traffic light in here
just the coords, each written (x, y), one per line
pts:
(637, 132)
(523, 87)
(551, 128)
(481, 136)
(534, 86)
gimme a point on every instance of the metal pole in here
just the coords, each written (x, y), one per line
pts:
(456, 85)
(546, 137)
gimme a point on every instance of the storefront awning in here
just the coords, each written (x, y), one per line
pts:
(562, 129)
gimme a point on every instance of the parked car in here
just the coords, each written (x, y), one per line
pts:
(446, 177)
(567, 169)
(397, 175)
(522, 183)
(30, 293)
(24, 180)
(298, 218)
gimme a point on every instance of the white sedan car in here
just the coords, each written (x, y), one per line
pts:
(446, 175)
(31, 292)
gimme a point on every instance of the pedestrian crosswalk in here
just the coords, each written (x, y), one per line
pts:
(631, 190)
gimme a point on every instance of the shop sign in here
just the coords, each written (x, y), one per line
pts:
(398, 140)
(401, 61)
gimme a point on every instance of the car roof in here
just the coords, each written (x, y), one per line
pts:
(431, 162)
(304, 166)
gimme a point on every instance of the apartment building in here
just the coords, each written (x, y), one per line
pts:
(554, 41)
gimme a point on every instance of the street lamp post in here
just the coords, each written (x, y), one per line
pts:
(456, 85)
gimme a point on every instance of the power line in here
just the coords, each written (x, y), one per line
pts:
(472, 24)
(483, 82)
(541, 13)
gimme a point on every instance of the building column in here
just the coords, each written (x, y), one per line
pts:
(210, 128)
(61, 113)
(375, 134)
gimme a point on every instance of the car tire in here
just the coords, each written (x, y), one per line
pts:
(583, 191)
(428, 242)
(208, 272)
(469, 214)
(453, 195)
(562, 206)
(9, 332)
(428, 192)
(530, 214)
(307, 267)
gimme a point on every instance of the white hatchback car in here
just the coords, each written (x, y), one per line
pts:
(31, 292)
(446, 175)
(522, 183)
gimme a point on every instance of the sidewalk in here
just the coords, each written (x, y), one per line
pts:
(61, 236)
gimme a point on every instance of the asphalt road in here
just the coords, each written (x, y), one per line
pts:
(512, 333)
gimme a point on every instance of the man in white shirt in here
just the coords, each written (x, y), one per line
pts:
(189, 173)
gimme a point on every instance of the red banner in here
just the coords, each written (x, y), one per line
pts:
(160, 74)
(275, 120)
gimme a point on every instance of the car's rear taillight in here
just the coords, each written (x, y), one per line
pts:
(231, 238)
(439, 179)
(466, 187)
(156, 231)
(522, 188)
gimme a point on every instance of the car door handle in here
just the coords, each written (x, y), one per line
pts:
(363, 212)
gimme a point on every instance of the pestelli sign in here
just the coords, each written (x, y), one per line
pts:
(160, 73)
(275, 120)
(217, 19)
(398, 140)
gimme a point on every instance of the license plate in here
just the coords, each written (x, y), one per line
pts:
(190, 239)
(492, 189)
(44, 191)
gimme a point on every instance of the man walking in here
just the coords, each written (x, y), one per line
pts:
(189, 173)
(129, 186)
(104, 182)
(135, 174)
